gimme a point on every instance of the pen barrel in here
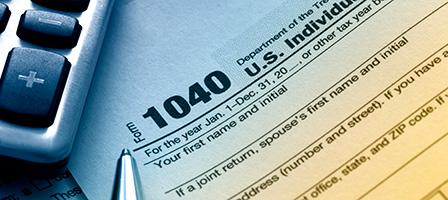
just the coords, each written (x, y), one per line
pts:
(126, 186)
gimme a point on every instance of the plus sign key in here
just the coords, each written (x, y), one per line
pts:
(31, 86)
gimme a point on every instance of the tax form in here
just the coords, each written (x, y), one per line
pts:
(322, 99)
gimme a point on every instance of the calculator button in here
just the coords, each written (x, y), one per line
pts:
(64, 5)
(4, 16)
(49, 29)
(31, 86)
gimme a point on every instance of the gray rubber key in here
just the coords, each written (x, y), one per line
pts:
(31, 86)
(49, 29)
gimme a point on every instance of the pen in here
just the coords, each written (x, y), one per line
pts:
(127, 182)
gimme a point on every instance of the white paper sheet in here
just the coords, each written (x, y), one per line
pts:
(334, 100)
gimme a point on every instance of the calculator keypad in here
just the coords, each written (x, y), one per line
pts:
(33, 79)
(48, 54)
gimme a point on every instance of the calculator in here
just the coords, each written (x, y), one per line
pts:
(48, 50)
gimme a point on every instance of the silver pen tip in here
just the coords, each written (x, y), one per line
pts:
(127, 181)
(125, 152)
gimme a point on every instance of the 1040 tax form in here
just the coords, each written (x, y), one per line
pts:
(322, 99)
